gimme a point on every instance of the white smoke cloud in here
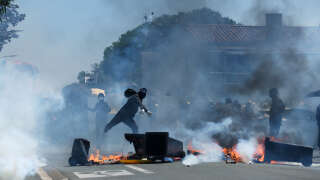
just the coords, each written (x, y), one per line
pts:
(18, 155)
(212, 152)
(202, 140)
(247, 149)
(21, 114)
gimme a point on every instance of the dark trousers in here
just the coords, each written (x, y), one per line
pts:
(99, 135)
(126, 120)
(274, 125)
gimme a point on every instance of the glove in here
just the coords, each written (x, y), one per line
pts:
(149, 113)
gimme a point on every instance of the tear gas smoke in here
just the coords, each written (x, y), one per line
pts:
(247, 148)
(201, 139)
(211, 151)
(182, 86)
(21, 113)
(290, 72)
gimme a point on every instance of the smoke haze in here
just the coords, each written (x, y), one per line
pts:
(63, 37)
(21, 113)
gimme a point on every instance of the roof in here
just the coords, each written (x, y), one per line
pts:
(227, 33)
(224, 33)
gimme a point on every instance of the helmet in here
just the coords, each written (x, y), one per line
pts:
(143, 90)
(129, 92)
(142, 93)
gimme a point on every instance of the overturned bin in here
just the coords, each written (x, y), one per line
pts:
(80, 151)
(155, 145)
(275, 151)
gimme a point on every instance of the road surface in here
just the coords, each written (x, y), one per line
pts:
(178, 171)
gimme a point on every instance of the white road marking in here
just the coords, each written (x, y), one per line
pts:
(43, 175)
(298, 164)
(139, 169)
(315, 165)
(101, 174)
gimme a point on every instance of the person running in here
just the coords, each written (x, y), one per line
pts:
(128, 111)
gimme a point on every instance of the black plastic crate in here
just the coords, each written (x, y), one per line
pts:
(155, 145)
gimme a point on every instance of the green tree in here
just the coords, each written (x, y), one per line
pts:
(4, 4)
(9, 19)
(121, 59)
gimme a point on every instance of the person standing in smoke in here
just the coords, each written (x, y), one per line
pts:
(277, 108)
(129, 110)
(102, 109)
(318, 122)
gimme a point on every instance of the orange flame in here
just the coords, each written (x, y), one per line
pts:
(232, 154)
(228, 152)
(193, 151)
(102, 159)
(260, 151)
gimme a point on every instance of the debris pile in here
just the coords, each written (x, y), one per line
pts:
(149, 148)
(268, 150)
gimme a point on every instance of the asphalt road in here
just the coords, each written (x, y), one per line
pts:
(177, 171)
(59, 170)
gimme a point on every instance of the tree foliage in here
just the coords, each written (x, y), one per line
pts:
(4, 4)
(123, 56)
(10, 17)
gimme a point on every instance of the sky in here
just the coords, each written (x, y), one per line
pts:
(63, 37)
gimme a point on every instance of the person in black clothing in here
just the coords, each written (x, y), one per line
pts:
(318, 122)
(102, 109)
(129, 110)
(142, 93)
(277, 108)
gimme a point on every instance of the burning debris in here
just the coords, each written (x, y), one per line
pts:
(97, 158)
(149, 147)
(268, 150)
(245, 120)
(231, 155)
(230, 142)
